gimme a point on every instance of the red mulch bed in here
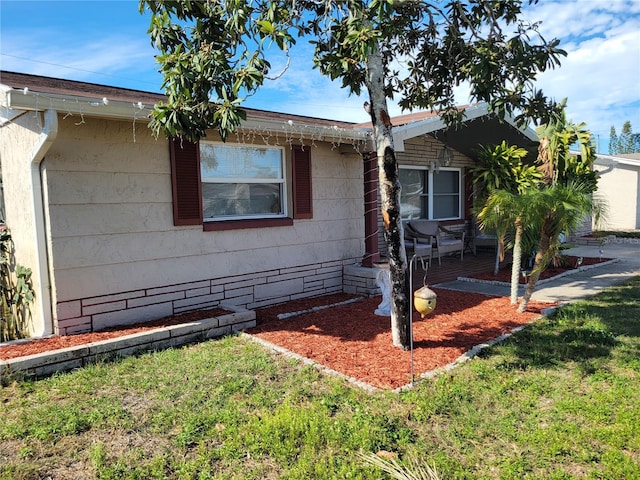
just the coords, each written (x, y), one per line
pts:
(57, 342)
(350, 338)
(354, 341)
(570, 263)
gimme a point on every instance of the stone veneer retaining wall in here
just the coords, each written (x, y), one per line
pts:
(359, 280)
(248, 291)
(603, 240)
(46, 363)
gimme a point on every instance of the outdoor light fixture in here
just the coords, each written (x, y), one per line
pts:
(445, 157)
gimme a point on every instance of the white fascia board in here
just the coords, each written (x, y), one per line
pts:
(309, 131)
(612, 160)
(98, 107)
(19, 100)
(415, 129)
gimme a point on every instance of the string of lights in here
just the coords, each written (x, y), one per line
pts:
(256, 129)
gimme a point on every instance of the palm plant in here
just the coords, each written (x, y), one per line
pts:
(563, 207)
(555, 159)
(504, 209)
(568, 197)
(501, 168)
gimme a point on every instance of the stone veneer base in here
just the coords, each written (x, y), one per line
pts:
(47, 363)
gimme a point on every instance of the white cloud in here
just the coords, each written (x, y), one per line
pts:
(115, 55)
(601, 74)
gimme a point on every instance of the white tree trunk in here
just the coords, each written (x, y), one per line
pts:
(543, 249)
(390, 206)
(517, 260)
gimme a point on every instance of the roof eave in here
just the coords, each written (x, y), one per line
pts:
(434, 124)
(26, 100)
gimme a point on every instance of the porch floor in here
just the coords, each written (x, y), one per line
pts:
(452, 267)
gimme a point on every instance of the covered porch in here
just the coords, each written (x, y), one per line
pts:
(452, 267)
(361, 280)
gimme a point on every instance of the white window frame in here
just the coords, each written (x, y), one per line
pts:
(431, 177)
(282, 181)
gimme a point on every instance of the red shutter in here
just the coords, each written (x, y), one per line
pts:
(185, 182)
(302, 199)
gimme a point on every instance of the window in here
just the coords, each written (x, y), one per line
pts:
(229, 186)
(446, 194)
(240, 181)
(430, 195)
(414, 200)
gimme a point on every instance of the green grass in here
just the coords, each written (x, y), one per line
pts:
(559, 400)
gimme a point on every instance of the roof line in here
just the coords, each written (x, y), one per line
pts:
(433, 124)
(294, 125)
(614, 159)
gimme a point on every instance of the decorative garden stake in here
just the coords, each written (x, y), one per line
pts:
(424, 301)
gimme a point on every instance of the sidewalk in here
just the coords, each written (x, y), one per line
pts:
(578, 285)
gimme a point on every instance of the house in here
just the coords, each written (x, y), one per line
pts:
(434, 162)
(121, 227)
(619, 188)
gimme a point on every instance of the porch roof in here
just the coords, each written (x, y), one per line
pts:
(480, 127)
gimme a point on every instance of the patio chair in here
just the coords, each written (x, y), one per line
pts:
(446, 241)
(418, 247)
(482, 239)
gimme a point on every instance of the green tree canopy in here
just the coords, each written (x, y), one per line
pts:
(215, 54)
(627, 142)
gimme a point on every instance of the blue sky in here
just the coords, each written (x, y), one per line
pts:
(106, 42)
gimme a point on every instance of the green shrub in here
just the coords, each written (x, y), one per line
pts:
(16, 292)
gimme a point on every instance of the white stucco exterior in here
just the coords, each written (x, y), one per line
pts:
(115, 256)
(619, 187)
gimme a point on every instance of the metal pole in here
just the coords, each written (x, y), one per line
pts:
(411, 313)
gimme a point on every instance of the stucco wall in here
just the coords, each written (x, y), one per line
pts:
(118, 258)
(619, 187)
(18, 140)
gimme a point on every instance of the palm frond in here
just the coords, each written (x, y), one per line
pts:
(415, 470)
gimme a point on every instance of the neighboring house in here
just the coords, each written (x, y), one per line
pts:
(619, 187)
(120, 227)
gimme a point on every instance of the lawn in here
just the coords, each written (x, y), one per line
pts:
(559, 400)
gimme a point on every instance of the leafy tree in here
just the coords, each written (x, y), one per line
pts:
(627, 142)
(214, 54)
(613, 141)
